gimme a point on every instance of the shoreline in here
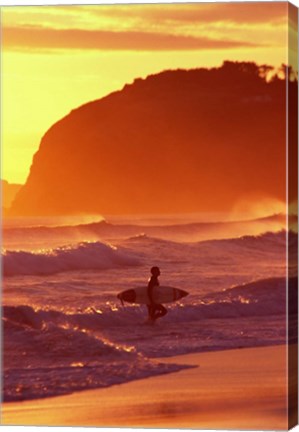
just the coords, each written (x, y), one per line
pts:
(242, 388)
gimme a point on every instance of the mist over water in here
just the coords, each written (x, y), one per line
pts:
(65, 330)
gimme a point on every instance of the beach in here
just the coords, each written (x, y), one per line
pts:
(231, 389)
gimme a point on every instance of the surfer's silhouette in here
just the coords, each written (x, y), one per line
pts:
(155, 310)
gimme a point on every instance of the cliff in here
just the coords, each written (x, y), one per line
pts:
(178, 141)
(9, 191)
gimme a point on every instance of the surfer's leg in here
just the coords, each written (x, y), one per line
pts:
(151, 312)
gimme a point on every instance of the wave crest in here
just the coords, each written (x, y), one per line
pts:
(85, 255)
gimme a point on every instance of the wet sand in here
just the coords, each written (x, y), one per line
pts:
(234, 389)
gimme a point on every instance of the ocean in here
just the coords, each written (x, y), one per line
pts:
(64, 329)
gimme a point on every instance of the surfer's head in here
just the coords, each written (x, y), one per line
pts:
(155, 271)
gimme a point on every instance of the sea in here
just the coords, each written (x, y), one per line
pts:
(64, 329)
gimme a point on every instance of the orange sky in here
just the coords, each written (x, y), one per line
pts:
(57, 58)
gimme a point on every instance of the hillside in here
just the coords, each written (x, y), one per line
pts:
(178, 141)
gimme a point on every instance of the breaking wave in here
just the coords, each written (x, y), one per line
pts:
(85, 255)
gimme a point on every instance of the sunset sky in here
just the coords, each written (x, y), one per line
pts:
(56, 58)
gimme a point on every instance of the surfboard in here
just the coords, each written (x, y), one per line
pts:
(161, 294)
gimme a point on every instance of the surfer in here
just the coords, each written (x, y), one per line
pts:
(155, 310)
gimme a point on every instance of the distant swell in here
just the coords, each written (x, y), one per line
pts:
(190, 232)
(85, 255)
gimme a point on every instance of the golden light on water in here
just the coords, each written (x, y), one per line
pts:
(77, 364)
